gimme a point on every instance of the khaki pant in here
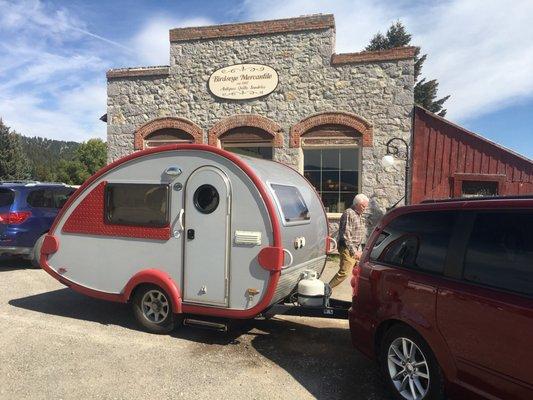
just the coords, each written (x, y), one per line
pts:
(347, 263)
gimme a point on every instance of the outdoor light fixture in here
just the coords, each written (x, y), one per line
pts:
(389, 160)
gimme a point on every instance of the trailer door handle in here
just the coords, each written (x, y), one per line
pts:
(177, 232)
(291, 259)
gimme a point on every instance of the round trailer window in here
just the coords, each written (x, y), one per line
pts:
(206, 199)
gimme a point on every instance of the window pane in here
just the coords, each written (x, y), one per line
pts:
(6, 197)
(330, 159)
(256, 152)
(61, 196)
(42, 198)
(331, 202)
(336, 185)
(500, 251)
(137, 204)
(330, 180)
(292, 203)
(345, 201)
(312, 159)
(349, 181)
(419, 240)
(479, 188)
(314, 178)
(349, 159)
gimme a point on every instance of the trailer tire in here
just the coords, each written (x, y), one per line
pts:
(35, 257)
(152, 308)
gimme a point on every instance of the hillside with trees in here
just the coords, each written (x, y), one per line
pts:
(48, 160)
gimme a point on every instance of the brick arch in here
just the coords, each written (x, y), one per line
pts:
(197, 135)
(331, 118)
(243, 120)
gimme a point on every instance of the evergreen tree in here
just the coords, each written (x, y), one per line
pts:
(13, 163)
(425, 91)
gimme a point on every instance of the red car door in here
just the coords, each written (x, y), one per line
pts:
(486, 315)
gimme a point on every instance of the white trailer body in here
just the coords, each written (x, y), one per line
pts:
(221, 235)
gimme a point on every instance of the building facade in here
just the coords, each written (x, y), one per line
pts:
(327, 115)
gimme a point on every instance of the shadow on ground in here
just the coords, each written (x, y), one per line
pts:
(321, 359)
(11, 264)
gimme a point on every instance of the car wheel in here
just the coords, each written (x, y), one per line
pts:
(36, 252)
(409, 366)
(152, 309)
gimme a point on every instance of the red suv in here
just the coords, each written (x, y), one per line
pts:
(443, 299)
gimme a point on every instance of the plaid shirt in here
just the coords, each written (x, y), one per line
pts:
(350, 230)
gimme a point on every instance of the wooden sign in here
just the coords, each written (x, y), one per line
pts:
(243, 81)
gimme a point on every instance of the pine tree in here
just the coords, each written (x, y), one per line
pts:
(13, 163)
(425, 91)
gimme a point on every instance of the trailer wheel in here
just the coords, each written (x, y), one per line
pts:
(35, 257)
(152, 309)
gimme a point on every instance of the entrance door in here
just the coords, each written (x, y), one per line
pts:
(207, 216)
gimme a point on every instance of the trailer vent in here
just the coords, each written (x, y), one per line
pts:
(248, 238)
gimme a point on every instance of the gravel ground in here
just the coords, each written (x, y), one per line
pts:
(57, 344)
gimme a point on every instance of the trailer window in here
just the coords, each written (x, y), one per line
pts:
(291, 203)
(137, 204)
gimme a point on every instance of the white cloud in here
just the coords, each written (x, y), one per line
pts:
(52, 80)
(75, 117)
(52, 83)
(151, 44)
(480, 51)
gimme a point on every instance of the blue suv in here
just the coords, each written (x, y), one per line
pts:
(27, 211)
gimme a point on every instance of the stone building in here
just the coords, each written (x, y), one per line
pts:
(327, 115)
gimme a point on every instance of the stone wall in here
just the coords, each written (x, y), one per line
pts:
(379, 92)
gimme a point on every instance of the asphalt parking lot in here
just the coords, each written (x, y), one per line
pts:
(57, 344)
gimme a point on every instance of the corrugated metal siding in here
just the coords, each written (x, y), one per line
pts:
(441, 150)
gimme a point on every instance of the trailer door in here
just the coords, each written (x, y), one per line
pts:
(207, 226)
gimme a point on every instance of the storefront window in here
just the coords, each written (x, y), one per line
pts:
(334, 172)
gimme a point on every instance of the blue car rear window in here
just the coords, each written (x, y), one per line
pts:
(6, 197)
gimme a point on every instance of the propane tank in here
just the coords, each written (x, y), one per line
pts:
(310, 290)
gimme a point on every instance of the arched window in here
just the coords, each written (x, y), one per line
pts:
(165, 136)
(332, 163)
(248, 141)
(167, 130)
(331, 144)
(248, 134)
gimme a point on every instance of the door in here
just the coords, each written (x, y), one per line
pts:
(206, 253)
(486, 316)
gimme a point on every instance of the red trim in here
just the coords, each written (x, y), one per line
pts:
(159, 278)
(88, 218)
(50, 245)
(206, 310)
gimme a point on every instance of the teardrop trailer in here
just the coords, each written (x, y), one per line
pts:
(192, 232)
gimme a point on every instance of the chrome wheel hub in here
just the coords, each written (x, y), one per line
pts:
(408, 369)
(155, 306)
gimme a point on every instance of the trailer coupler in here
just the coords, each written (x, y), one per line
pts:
(336, 309)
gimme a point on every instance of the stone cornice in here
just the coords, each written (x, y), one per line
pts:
(306, 23)
(398, 53)
(136, 72)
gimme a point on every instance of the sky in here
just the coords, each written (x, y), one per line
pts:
(54, 54)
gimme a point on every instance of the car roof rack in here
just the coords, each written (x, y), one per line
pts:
(455, 199)
(31, 183)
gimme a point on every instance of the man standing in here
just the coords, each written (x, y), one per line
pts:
(350, 236)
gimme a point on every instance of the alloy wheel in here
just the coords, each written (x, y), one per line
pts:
(408, 369)
(155, 306)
